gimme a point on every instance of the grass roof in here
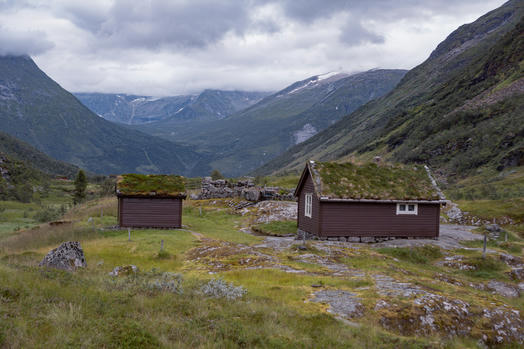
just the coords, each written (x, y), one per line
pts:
(372, 181)
(150, 185)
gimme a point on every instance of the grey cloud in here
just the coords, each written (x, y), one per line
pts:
(353, 34)
(158, 24)
(23, 43)
(311, 10)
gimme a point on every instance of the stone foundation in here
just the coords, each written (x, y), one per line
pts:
(366, 239)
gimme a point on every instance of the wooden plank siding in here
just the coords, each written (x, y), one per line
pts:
(150, 212)
(377, 219)
(311, 225)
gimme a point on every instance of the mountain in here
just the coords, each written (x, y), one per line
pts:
(21, 151)
(132, 109)
(37, 110)
(245, 140)
(459, 111)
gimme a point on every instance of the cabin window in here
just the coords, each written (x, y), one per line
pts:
(308, 209)
(407, 208)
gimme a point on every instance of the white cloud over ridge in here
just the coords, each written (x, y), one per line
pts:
(177, 47)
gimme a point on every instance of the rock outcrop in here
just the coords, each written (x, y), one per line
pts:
(68, 256)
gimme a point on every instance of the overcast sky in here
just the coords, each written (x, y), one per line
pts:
(176, 47)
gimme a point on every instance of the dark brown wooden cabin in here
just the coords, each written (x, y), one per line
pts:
(150, 201)
(370, 200)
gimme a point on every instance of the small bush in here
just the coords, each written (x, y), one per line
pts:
(149, 283)
(218, 288)
(486, 268)
(46, 215)
(168, 282)
(129, 334)
(417, 255)
(163, 255)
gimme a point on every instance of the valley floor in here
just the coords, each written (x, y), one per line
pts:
(396, 294)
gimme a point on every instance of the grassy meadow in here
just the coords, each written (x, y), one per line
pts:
(42, 308)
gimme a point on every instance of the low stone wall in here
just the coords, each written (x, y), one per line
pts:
(244, 188)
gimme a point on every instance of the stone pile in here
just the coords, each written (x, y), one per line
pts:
(244, 188)
(68, 256)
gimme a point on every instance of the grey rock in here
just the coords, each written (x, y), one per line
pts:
(124, 270)
(517, 274)
(332, 239)
(353, 239)
(503, 289)
(251, 194)
(343, 239)
(511, 260)
(494, 228)
(387, 286)
(341, 303)
(68, 256)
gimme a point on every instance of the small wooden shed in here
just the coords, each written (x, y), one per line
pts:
(368, 200)
(150, 201)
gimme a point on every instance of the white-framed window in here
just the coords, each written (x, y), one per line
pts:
(407, 208)
(308, 207)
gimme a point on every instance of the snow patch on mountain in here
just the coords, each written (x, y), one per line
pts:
(304, 133)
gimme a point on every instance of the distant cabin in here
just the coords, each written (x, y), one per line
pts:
(150, 201)
(370, 200)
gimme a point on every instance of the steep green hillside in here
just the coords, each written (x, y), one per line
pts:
(24, 152)
(459, 111)
(37, 110)
(240, 143)
(133, 110)
(17, 179)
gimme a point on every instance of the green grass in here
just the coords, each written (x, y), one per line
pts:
(416, 255)
(217, 224)
(276, 228)
(486, 268)
(47, 308)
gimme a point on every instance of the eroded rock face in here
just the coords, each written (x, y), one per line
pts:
(68, 256)
(504, 326)
(432, 314)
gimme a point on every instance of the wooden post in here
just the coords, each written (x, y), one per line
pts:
(485, 245)
(128, 234)
(505, 235)
(161, 245)
(200, 210)
(101, 212)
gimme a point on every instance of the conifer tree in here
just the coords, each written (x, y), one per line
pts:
(80, 187)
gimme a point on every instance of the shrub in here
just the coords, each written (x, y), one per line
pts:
(218, 288)
(168, 282)
(46, 215)
(149, 283)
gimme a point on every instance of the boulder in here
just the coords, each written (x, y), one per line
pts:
(503, 289)
(251, 194)
(68, 256)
